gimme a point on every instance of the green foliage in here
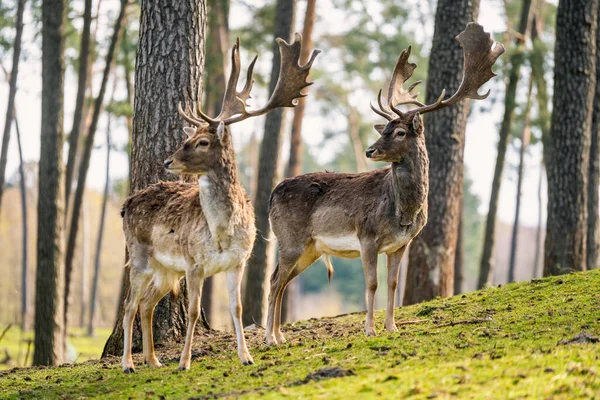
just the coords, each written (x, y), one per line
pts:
(498, 343)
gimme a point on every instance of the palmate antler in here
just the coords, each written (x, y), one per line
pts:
(480, 54)
(291, 81)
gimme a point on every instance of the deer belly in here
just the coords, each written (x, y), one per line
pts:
(171, 260)
(395, 243)
(346, 246)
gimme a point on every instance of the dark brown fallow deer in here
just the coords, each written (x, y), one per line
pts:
(363, 215)
(176, 229)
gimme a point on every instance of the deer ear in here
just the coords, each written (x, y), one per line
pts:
(379, 128)
(416, 123)
(189, 131)
(222, 133)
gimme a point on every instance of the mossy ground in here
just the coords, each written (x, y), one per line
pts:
(496, 343)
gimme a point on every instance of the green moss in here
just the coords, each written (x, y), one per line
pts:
(495, 343)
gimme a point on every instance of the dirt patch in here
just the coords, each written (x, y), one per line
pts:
(326, 373)
(581, 338)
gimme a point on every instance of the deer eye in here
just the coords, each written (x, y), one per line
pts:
(203, 143)
(400, 132)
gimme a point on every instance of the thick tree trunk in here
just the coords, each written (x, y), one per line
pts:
(525, 134)
(593, 230)
(486, 267)
(162, 80)
(258, 271)
(214, 88)
(85, 160)
(431, 262)
(294, 166)
(12, 92)
(49, 275)
(96, 278)
(24, 228)
(84, 55)
(459, 255)
(570, 136)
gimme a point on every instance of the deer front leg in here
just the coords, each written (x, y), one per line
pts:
(234, 283)
(194, 283)
(393, 265)
(368, 255)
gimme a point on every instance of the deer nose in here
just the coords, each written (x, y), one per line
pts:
(370, 152)
(168, 163)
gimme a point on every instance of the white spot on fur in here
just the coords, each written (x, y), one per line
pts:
(204, 182)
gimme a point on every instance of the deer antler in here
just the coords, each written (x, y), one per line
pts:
(291, 81)
(480, 54)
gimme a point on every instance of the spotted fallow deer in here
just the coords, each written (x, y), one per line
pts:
(176, 229)
(363, 215)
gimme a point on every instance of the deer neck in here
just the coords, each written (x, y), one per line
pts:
(220, 197)
(409, 185)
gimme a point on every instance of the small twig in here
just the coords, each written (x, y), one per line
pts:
(27, 354)
(4, 331)
(411, 321)
(465, 321)
(257, 324)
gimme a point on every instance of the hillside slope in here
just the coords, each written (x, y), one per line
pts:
(535, 339)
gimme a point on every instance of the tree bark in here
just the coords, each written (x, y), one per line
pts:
(486, 268)
(294, 166)
(537, 271)
(570, 136)
(24, 228)
(48, 302)
(593, 230)
(254, 299)
(85, 160)
(84, 55)
(96, 278)
(355, 141)
(459, 255)
(431, 258)
(169, 68)
(12, 92)
(525, 134)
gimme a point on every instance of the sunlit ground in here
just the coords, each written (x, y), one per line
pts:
(16, 347)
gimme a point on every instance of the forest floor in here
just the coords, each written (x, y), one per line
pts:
(535, 339)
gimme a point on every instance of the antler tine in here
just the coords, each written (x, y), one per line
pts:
(231, 98)
(382, 110)
(291, 81)
(480, 54)
(403, 70)
(189, 118)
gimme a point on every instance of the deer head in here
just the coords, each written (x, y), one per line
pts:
(404, 129)
(209, 139)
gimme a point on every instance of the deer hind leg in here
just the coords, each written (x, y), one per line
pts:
(139, 277)
(393, 265)
(157, 290)
(299, 265)
(368, 255)
(234, 284)
(194, 281)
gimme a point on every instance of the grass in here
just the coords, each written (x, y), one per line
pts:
(507, 342)
(82, 348)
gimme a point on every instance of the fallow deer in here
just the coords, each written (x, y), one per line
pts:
(363, 215)
(176, 229)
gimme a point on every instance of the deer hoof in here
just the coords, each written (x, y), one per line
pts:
(391, 327)
(129, 370)
(247, 362)
(184, 368)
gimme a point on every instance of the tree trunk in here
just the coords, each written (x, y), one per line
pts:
(85, 251)
(525, 134)
(570, 136)
(486, 270)
(48, 346)
(258, 269)
(431, 262)
(216, 65)
(459, 255)
(24, 228)
(84, 55)
(94, 298)
(294, 166)
(355, 141)
(593, 230)
(162, 80)
(537, 271)
(12, 91)
(85, 160)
